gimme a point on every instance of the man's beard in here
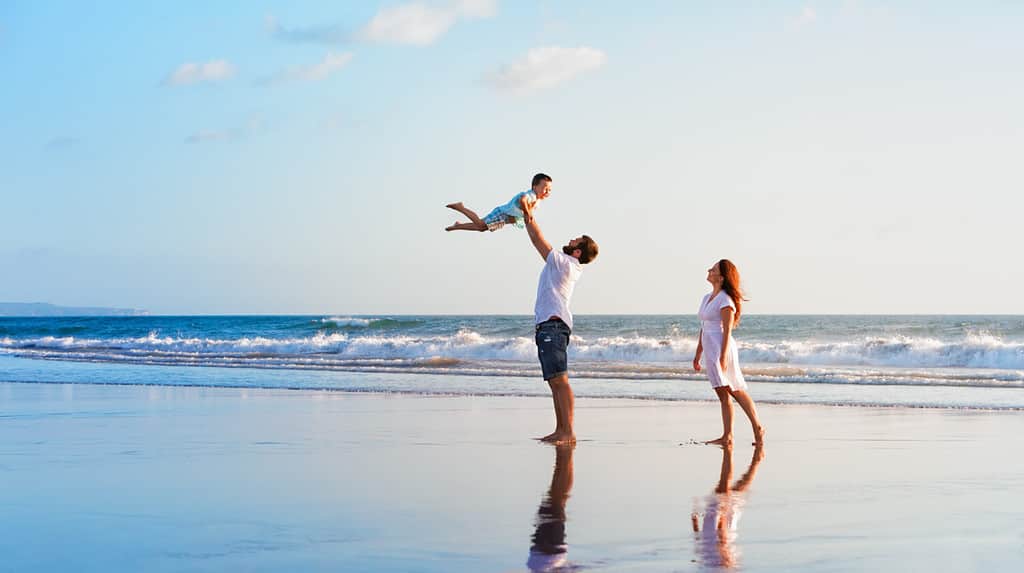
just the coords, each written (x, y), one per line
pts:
(568, 250)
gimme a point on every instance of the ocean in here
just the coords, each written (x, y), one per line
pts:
(929, 361)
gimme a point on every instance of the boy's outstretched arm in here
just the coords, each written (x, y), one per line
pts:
(527, 209)
(537, 238)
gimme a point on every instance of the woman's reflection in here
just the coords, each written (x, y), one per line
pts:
(716, 533)
(548, 550)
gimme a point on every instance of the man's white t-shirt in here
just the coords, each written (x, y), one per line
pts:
(557, 281)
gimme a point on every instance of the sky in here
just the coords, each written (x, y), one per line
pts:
(296, 157)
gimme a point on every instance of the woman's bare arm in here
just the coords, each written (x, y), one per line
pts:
(700, 350)
(727, 314)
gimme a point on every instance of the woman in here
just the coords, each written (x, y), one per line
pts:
(719, 311)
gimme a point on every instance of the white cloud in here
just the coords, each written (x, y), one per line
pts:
(420, 24)
(192, 73)
(546, 67)
(322, 70)
(807, 17)
(332, 34)
(415, 24)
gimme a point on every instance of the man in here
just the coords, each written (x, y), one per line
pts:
(554, 321)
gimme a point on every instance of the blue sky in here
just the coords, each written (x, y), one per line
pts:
(295, 157)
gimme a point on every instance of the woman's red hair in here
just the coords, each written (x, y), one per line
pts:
(731, 285)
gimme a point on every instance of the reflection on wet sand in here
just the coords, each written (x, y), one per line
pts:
(548, 549)
(715, 534)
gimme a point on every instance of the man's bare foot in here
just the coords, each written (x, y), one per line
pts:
(455, 206)
(723, 441)
(759, 435)
(560, 438)
(452, 227)
(548, 437)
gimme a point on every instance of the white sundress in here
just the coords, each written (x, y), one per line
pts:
(711, 339)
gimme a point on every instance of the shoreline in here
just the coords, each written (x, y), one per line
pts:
(920, 396)
(753, 372)
(441, 394)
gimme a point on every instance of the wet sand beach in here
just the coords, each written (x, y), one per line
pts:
(116, 478)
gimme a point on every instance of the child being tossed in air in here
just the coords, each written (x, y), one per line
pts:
(515, 212)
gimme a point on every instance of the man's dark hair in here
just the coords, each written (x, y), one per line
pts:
(539, 178)
(588, 249)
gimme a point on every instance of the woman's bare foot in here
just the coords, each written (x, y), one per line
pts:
(560, 438)
(723, 441)
(759, 435)
(456, 206)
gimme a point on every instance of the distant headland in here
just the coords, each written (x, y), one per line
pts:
(47, 309)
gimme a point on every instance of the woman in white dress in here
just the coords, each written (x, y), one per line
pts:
(719, 312)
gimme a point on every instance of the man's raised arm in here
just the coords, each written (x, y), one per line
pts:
(537, 238)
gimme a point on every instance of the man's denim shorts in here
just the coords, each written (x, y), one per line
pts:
(552, 341)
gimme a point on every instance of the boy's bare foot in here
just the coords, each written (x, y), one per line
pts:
(455, 206)
(560, 438)
(723, 441)
(759, 435)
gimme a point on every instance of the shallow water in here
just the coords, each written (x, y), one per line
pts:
(967, 351)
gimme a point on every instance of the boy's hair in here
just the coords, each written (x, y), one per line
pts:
(588, 249)
(538, 178)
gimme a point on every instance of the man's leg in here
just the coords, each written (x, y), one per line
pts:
(552, 341)
(558, 415)
(565, 404)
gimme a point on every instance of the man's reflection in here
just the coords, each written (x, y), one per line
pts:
(548, 550)
(716, 533)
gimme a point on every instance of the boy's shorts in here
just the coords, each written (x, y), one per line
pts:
(495, 221)
(552, 342)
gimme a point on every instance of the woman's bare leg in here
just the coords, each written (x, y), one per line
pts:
(747, 403)
(723, 398)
